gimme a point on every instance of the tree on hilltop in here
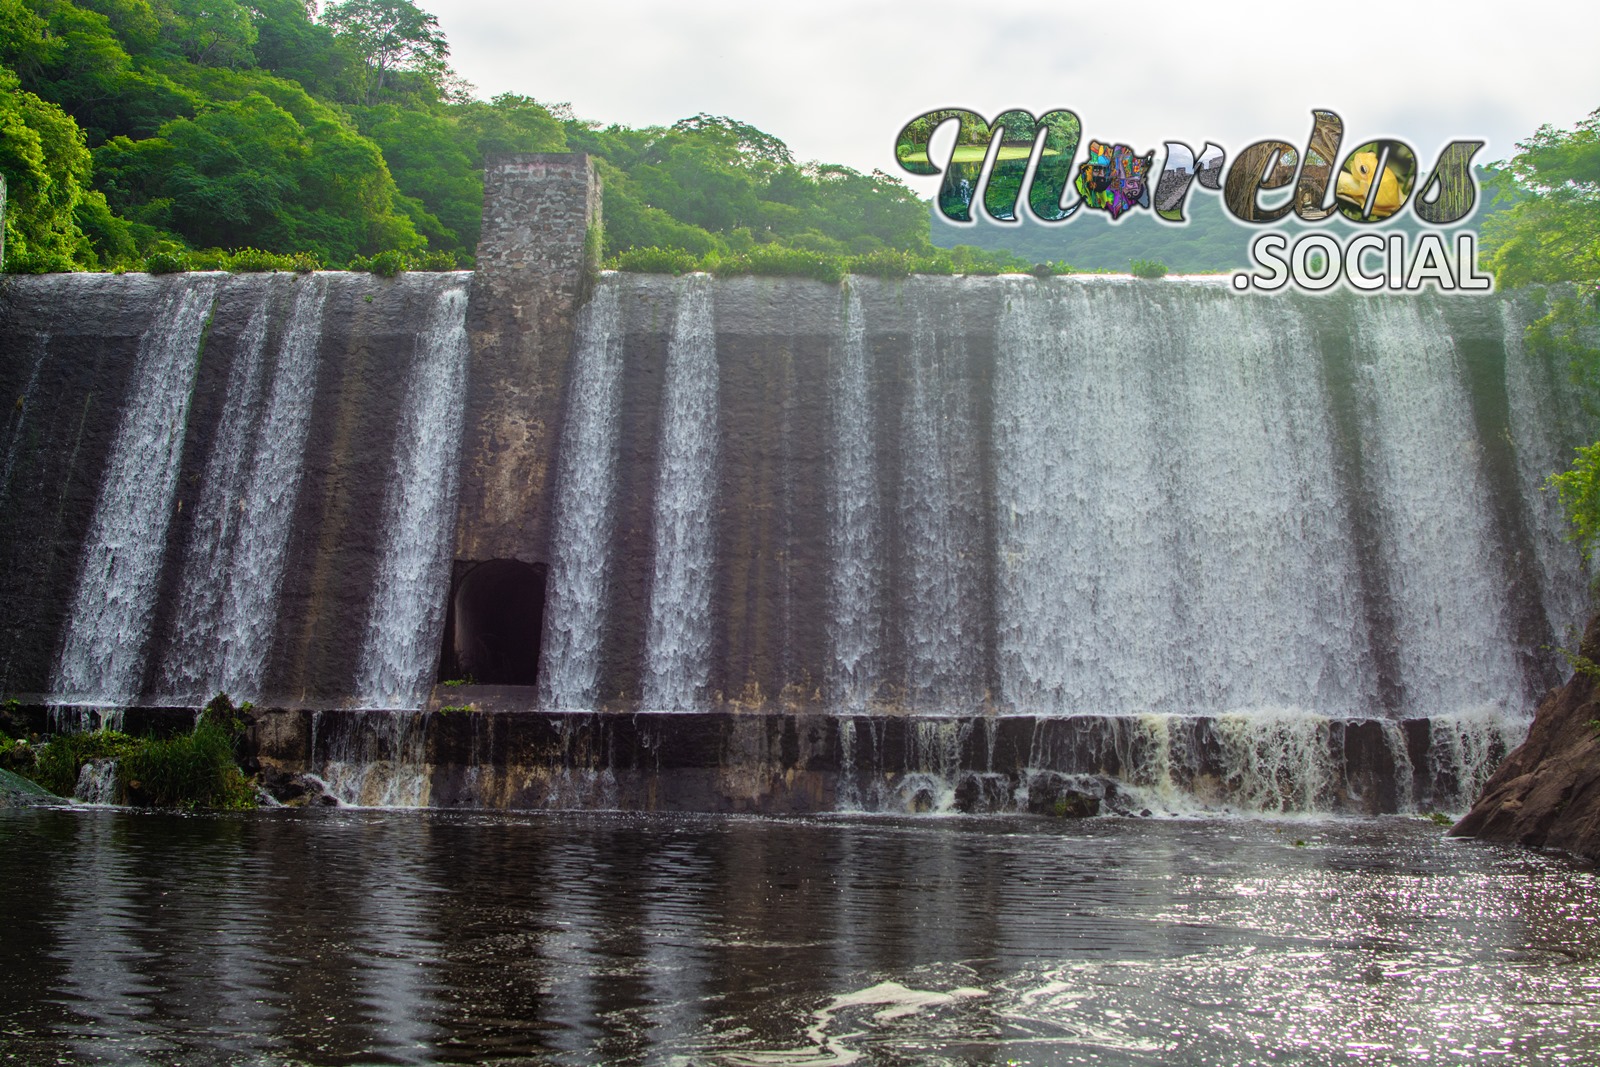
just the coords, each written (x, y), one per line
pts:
(1551, 233)
(391, 36)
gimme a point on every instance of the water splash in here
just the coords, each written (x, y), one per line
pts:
(1464, 750)
(585, 492)
(407, 612)
(678, 639)
(97, 782)
(1277, 762)
(376, 759)
(1266, 762)
(102, 655)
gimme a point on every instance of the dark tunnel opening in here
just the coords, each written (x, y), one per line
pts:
(497, 619)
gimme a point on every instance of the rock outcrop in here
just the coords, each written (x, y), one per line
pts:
(1547, 793)
(17, 792)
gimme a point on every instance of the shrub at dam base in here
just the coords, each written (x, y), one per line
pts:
(196, 770)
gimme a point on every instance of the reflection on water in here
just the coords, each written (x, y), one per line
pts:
(340, 937)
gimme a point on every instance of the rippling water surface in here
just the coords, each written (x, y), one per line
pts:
(342, 937)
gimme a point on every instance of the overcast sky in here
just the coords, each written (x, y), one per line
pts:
(837, 80)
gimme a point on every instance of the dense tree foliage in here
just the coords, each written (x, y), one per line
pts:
(248, 173)
(1549, 232)
(43, 157)
(164, 127)
(712, 184)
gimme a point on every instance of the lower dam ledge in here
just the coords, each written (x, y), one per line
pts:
(816, 761)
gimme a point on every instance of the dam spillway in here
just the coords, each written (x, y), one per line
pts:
(833, 544)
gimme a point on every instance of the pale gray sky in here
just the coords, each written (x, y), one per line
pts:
(836, 80)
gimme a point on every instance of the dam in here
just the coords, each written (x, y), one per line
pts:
(539, 535)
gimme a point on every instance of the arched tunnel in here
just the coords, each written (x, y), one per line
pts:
(496, 621)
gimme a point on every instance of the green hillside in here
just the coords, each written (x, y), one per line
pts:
(134, 128)
(163, 132)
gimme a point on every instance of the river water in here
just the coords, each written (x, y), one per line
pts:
(344, 936)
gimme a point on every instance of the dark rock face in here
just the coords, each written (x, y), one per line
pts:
(18, 792)
(1547, 793)
(295, 790)
(1068, 797)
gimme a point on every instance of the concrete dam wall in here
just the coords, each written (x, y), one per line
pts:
(753, 523)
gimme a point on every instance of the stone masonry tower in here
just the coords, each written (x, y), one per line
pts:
(537, 254)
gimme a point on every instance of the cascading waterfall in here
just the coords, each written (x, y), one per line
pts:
(1465, 748)
(193, 654)
(939, 548)
(1171, 534)
(406, 616)
(1277, 762)
(374, 760)
(934, 763)
(1545, 426)
(268, 503)
(854, 536)
(1447, 592)
(678, 638)
(102, 654)
(1223, 551)
(97, 782)
(1176, 544)
(228, 603)
(585, 491)
(1084, 544)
